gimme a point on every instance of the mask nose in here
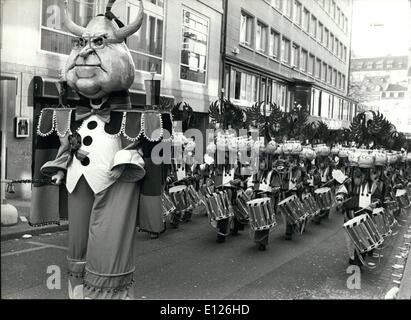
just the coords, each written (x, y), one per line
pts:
(86, 51)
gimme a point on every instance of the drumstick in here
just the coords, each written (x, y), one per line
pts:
(367, 208)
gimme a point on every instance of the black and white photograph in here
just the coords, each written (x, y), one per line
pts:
(207, 155)
(22, 127)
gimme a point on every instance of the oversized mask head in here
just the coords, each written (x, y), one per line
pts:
(100, 62)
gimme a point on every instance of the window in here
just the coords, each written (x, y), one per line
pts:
(320, 35)
(146, 46)
(311, 60)
(326, 37)
(345, 53)
(338, 15)
(297, 12)
(331, 44)
(335, 46)
(330, 75)
(288, 8)
(306, 20)
(335, 78)
(389, 64)
(246, 29)
(244, 87)
(339, 81)
(342, 21)
(285, 50)
(261, 38)
(295, 55)
(194, 47)
(54, 36)
(313, 26)
(343, 82)
(324, 72)
(278, 4)
(400, 94)
(303, 60)
(274, 46)
(346, 25)
(328, 6)
(333, 10)
(318, 68)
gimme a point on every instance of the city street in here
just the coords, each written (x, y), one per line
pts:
(187, 263)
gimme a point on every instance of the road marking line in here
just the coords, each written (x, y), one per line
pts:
(22, 251)
(40, 244)
(47, 245)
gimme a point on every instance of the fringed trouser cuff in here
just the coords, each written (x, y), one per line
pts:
(108, 286)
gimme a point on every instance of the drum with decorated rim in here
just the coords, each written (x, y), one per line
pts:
(381, 221)
(217, 206)
(262, 215)
(324, 198)
(293, 210)
(179, 196)
(310, 204)
(363, 232)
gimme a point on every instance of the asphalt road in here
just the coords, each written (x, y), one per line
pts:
(187, 263)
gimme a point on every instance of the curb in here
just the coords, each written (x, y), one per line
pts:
(405, 287)
(34, 231)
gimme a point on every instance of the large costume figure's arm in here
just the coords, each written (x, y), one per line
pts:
(60, 163)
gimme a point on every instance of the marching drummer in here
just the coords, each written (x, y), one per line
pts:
(324, 172)
(261, 237)
(293, 185)
(359, 201)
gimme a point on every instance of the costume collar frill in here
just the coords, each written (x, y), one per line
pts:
(153, 125)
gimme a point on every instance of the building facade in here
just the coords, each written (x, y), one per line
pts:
(291, 53)
(179, 41)
(381, 84)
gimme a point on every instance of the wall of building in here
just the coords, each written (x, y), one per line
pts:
(273, 18)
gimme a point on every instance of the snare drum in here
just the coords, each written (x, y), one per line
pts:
(178, 195)
(381, 221)
(241, 209)
(206, 190)
(402, 199)
(324, 198)
(193, 196)
(262, 215)
(167, 204)
(217, 206)
(293, 210)
(363, 232)
(310, 204)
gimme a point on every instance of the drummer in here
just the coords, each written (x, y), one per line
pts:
(293, 184)
(324, 171)
(240, 179)
(261, 237)
(357, 201)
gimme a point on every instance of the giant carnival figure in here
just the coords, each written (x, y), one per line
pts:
(104, 159)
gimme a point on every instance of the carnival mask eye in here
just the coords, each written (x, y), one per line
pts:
(78, 43)
(98, 42)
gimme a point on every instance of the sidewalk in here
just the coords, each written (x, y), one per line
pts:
(22, 227)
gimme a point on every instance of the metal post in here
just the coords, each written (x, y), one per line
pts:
(3, 145)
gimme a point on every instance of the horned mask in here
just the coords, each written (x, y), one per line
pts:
(100, 61)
